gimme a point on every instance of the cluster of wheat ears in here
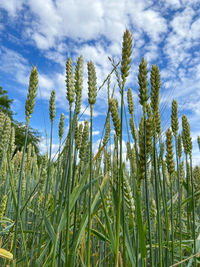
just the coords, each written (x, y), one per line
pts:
(86, 209)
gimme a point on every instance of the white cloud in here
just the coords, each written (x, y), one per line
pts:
(174, 4)
(183, 37)
(16, 105)
(182, 21)
(95, 133)
(195, 29)
(41, 41)
(53, 21)
(44, 146)
(14, 64)
(46, 85)
(11, 6)
(151, 22)
(152, 53)
(56, 56)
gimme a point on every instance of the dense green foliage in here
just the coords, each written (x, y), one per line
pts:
(33, 135)
(5, 103)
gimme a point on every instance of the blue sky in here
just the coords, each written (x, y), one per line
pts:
(46, 33)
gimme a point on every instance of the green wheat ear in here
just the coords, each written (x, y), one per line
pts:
(155, 88)
(78, 83)
(84, 140)
(129, 196)
(186, 137)
(141, 146)
(113, 104)
(174, 117)
(155, 97)
(126, 55)
(12, 145)
(128, 151)
(52, 108)
(108, 129)
(162, 150)
(4, 142)
(3, 206)
(157, 121)
(92, 81)
(153, 211)
(130, 101)
(61, 126)
(133, 130)
(182, 172)
(170, 154)
(149, 129)
(196, 174)
(2, 120)
(32, 91)
(116, 140)
(179, 146)
(78, 135)
(108, 156)
(70, 81)
(143, 83)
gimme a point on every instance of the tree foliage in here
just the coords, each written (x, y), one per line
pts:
(33, 135)
(5, 103)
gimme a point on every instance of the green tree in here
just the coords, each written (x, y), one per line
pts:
(33, 135)
(5, 103)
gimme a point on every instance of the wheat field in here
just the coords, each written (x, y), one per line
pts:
(101, 209)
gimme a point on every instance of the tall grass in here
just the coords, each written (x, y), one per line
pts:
(108, 207)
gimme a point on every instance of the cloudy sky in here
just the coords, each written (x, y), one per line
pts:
(46, 33)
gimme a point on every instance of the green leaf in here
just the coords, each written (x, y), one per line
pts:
(188, 199)
(38, 262)
(102, 226)
(110, 233)
(128, 243)
(79, 189)
(142, 239)
(84, 219)
(100, 235)
(50, 230)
